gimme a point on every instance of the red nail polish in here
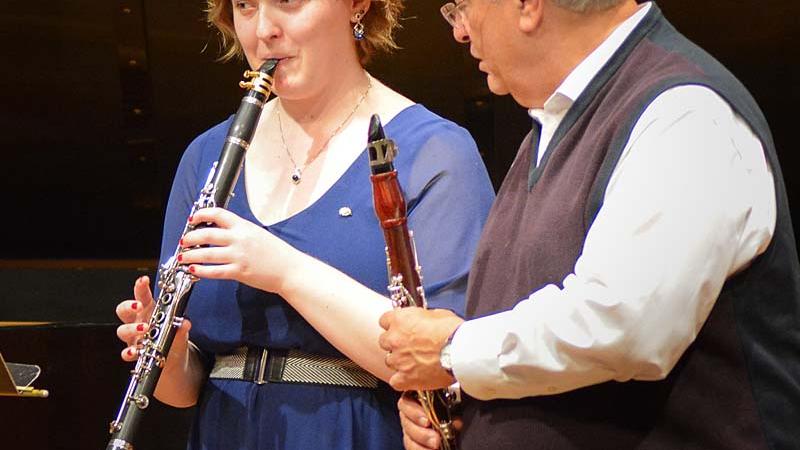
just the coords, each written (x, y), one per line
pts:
(130, 352)
(180, 242)
(140, 327)
(134, 305)
(191, 269)
(180, 258)
(190, 218)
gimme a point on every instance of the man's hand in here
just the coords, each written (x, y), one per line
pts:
(417, 431)
(413, 339)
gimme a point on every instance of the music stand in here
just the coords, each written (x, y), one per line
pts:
(16, 380)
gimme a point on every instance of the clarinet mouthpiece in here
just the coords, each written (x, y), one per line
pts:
(269, 66)
(375, 129)
(381, 151)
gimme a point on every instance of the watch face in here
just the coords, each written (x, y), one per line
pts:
(444, 358)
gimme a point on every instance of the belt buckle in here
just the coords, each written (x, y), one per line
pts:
(262, 367)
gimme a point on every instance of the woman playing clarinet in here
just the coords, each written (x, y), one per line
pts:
(280, 350)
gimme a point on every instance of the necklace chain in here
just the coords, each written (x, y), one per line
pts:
(297, 173)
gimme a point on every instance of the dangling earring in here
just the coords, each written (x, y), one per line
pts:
(358, 28)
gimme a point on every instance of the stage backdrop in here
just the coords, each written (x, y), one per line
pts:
(100, 98)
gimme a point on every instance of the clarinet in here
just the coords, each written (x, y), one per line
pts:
(405, 274)
(174, 280)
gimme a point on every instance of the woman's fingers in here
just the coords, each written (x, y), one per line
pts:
(128, 311)
(139, 308)
(131, 333)
(207, 236)
(222, 218)
(205, 255)
(133, 314)
(135, 323)
(130, 353)
(219, 272)
(211, 262)
(142, 292)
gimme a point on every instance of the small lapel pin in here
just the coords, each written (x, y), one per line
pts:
(344, 211)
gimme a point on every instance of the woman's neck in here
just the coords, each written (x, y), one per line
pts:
(325, 111)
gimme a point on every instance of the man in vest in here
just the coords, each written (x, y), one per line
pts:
(636, 285)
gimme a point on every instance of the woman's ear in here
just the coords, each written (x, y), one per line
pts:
(530, 14)
(361, 6)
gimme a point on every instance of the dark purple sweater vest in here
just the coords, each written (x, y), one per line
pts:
(738, 385)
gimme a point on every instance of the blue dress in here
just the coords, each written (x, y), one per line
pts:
(448, 194)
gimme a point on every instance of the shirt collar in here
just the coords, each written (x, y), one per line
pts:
(580, 77)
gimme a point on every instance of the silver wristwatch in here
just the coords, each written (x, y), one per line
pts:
(444, 356)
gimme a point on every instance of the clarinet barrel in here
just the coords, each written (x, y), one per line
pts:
(174, 280)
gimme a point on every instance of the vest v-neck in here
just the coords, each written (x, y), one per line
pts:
(586, 97)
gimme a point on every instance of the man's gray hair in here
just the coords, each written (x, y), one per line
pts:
(587, 5)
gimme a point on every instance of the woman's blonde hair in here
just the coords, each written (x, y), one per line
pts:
(380, 23)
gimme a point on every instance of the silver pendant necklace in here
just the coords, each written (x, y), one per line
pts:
(297, 173)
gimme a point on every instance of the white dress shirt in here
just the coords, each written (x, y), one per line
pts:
(690, 203)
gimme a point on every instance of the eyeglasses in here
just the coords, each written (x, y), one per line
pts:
(455, 13)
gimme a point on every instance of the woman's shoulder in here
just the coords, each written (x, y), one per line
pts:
(418, 129)
(408, 118)
(206, 140)
(202, 151)
(393, 106)
(418, 119)
(430, 146)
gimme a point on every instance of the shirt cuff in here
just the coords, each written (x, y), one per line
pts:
(475, 351)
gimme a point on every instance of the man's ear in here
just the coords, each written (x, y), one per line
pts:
(530, 14)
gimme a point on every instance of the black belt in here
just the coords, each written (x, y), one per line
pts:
(262, 365)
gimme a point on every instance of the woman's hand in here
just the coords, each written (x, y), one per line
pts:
(135, 315)
(236, 249)
(343, 310)
(182, 376)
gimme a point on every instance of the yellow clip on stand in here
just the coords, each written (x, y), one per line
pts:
(16, 380)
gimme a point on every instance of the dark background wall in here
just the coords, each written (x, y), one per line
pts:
(98, 99)
(98, 104)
